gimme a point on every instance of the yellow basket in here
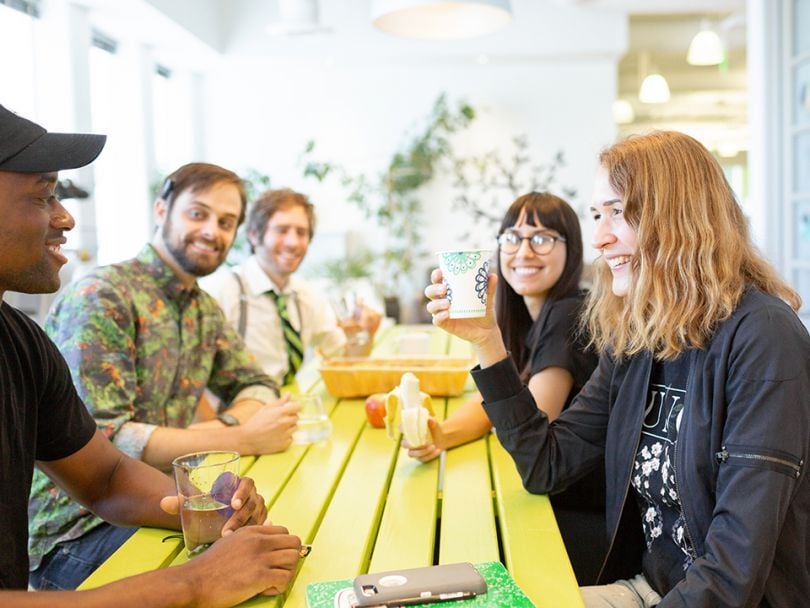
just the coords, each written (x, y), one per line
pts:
(439, 375)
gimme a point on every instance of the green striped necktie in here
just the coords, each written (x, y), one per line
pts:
(292, 339)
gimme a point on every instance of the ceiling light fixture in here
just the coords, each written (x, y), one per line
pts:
(297, 17)
(440, 19)
(623, 113)
(654, 87)
(706, 47)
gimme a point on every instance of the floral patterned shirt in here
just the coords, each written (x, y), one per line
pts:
(141, 350)
(669, 550)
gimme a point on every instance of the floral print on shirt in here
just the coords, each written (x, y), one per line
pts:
(654, 471)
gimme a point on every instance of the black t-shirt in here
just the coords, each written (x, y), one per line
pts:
(41, 418)
(555, 342)
(669, 551)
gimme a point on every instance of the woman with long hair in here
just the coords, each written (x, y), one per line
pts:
(700, 404)
(537, 304)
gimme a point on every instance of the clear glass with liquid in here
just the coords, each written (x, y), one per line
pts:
(314, 425)
(202, 518)
(206, 483)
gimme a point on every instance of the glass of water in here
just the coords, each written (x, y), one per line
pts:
(313, 423)
(206, 482)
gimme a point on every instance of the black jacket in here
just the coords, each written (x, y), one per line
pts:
(743, 441)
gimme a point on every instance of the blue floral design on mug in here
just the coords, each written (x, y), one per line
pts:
(449, 295)
(459, 262)
(481, 282)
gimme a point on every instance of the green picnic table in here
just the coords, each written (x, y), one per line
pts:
(365, 506)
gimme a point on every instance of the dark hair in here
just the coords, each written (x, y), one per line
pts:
(196, 177)
(513, 316)
(271, 201)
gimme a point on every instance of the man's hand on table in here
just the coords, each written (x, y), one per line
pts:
(248, 506)
(264, 428)
(271, 428)
(249, 561)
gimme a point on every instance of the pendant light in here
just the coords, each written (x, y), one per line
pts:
(654, 87)
(623, 113)
(440, 19)
(706, 47)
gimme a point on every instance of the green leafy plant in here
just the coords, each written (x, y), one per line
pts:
(256, 182)
(389, 198)
(340, 273)
(486, 184)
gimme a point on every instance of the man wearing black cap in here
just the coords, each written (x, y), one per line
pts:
(42, 418)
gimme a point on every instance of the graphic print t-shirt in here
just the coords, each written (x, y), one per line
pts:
(669, 552)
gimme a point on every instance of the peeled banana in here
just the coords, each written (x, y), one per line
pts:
(408, 407)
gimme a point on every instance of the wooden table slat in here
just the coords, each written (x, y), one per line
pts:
(468, 532)
(142, 552)
(533, 548)
(300, 507)
(343, 543)
(408, 527)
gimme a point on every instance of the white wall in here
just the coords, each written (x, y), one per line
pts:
(359, 93)
(262, 112)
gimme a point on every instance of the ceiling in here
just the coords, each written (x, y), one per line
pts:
(251, 27)
(710, 99)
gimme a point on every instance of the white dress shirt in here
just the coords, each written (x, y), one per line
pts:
(310, 313)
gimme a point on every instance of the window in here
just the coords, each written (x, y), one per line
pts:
(173, 121)
(798, 133)
(121, 196)
(17, 39)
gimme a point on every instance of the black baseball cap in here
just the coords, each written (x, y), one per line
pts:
(25, 147)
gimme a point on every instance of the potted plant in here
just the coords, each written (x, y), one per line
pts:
(486, 184)
(389, 198)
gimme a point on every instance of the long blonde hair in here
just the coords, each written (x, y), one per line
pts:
(694, 255)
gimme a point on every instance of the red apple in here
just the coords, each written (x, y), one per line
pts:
(375, 410)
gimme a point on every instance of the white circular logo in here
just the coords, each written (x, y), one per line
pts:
(393, 580)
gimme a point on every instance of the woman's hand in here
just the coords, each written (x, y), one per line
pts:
(429, 451)
(482, 332)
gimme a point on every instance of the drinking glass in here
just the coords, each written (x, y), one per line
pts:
(206, 482)
(348, 312)
(313, 423)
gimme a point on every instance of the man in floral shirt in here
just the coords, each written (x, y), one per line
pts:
(143, 342)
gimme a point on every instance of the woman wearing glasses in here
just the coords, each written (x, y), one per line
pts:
(538, 301)
(700, 405)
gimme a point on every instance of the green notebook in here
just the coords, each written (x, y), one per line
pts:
(502, 590)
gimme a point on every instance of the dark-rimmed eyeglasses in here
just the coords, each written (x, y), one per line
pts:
(540, 243)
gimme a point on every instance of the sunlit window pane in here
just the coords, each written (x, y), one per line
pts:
(17, 41)
(174, 138)
(122, 208)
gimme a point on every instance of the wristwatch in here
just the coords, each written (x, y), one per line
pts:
(228, 419)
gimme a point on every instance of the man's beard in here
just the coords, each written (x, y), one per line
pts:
(197, 268)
